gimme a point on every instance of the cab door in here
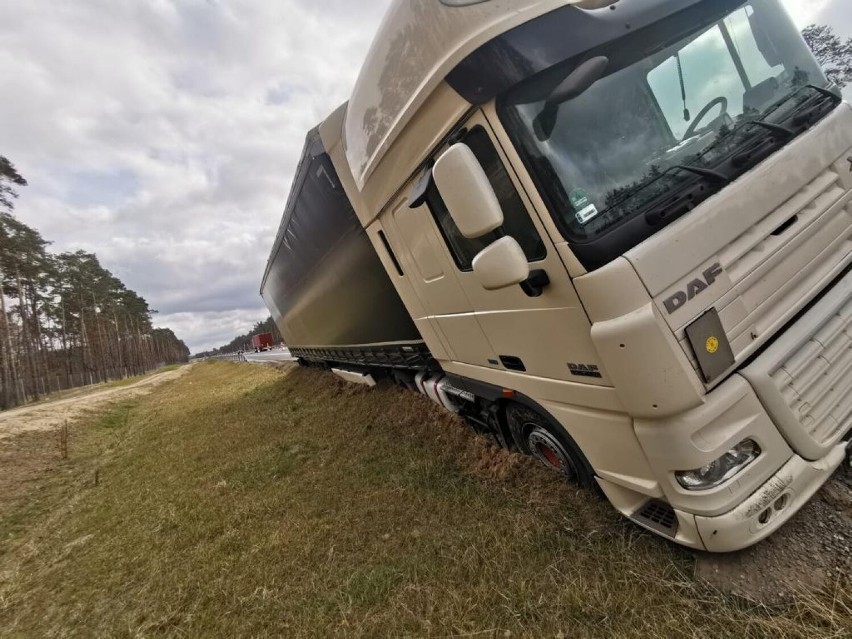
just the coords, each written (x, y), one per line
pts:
(548, 335)
(447, 311)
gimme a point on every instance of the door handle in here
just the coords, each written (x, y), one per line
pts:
(534, 285)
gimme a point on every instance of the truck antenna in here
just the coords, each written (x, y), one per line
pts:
(686, 114)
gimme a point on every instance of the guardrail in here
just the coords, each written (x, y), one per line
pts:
(275, 355)
(231, 357)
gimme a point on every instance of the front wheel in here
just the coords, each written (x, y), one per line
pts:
(549, 444)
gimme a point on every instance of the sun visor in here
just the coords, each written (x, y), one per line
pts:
(562, 35)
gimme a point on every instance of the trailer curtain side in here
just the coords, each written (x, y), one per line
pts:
(324, 283)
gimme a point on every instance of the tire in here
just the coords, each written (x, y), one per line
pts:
(548, 442)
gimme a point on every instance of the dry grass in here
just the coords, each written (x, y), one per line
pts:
(237, 501)
(79, 391)
(127, 381)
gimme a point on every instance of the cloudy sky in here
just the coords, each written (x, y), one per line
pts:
(163, 134)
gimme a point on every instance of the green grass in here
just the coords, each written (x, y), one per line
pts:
(240, 501)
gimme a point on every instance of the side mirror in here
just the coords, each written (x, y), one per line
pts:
(501, 265)
(466, 191)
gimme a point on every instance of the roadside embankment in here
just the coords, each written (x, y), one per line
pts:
(249, 501)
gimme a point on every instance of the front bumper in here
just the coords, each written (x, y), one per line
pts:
(730, 414)
(771, 506)
(794, 400)
(756, 517)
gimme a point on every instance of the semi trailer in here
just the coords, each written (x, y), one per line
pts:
(262, 342)
(612, 234)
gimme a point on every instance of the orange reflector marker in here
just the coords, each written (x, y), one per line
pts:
(508, 394)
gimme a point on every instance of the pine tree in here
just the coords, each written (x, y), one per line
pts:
(834, 54)
(64, 319)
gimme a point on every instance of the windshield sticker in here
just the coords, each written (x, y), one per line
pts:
(582, 203)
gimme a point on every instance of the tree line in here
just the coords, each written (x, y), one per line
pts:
(65, 320)
(833, 54)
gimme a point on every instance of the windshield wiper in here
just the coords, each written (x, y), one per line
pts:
(775, 128)
(828, 93)
(709, 174)
(799, 119)
(780, 127)
(663, 191)
(775, 106)
(688, 195)
(803, 116)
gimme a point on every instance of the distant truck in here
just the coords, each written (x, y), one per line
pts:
(614, 235)
(262, 342)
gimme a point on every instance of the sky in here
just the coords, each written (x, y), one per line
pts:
(163, 135)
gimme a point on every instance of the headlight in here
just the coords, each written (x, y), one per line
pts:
(718, 472)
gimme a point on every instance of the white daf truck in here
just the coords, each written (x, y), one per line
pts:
(613, 234)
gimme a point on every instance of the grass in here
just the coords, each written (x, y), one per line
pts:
(127, 381)
(89, 388)
(240, 501)
(168, 368)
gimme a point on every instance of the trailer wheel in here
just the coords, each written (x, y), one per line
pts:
(537, 436)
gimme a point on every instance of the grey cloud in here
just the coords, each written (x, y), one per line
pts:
(210, 330)
(839, 16)
(148, 136)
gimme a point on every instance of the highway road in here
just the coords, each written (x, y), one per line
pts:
(275, 355)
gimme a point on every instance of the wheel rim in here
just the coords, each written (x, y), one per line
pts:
(549, 451)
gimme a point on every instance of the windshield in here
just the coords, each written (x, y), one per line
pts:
(676, 107)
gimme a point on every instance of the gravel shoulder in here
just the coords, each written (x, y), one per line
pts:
(810, 552)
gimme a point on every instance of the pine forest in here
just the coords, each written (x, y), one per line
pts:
(66, 321)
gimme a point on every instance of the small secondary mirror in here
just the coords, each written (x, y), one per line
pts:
(466, 191)
(501, 264)
(764, 26)
(577, 83)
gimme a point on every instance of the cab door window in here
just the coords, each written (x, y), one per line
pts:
(517, 222)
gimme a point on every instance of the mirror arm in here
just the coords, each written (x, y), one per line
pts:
(418, 193)
(535, 284)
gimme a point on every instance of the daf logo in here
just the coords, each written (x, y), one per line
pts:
(695, 288)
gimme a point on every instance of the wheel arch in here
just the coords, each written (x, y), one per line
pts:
(504, 400)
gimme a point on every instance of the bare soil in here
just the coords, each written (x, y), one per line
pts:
(52, 414)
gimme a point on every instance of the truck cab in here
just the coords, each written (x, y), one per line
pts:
(623, 230)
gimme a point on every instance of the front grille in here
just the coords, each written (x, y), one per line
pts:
(774, 274)
(804, 378)
(816, 381)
